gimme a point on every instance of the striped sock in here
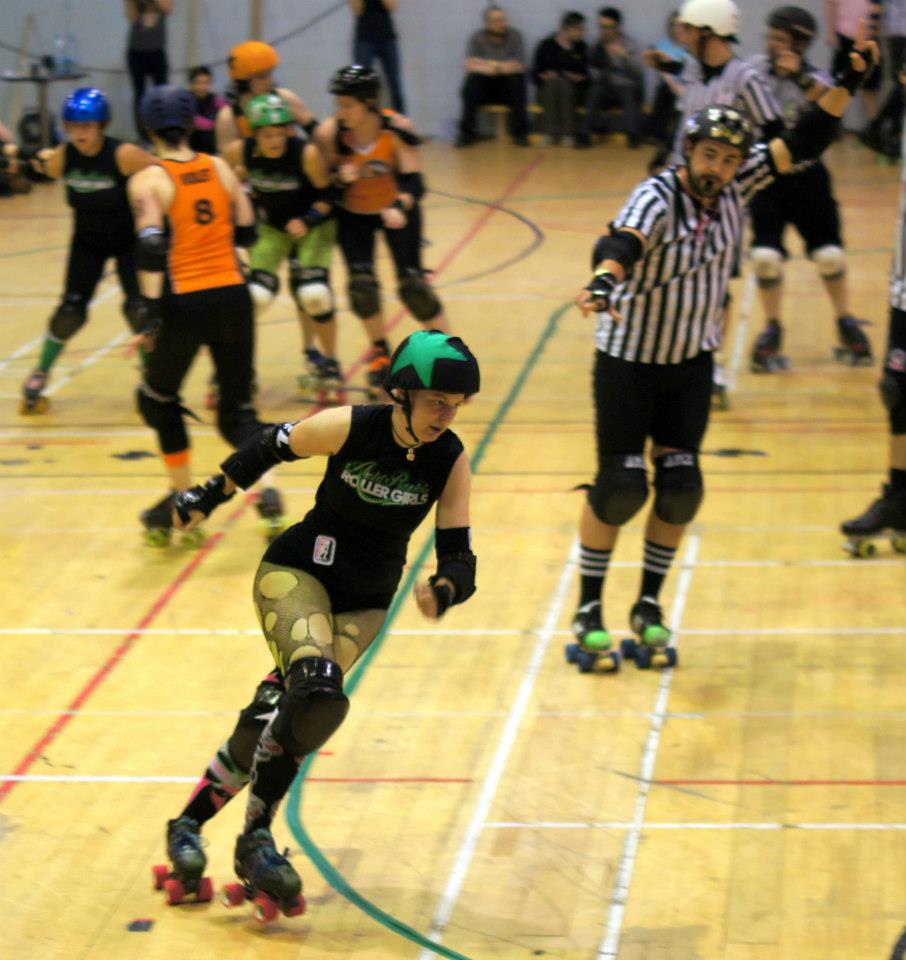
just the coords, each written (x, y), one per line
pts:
(593, 569)
(655, 567)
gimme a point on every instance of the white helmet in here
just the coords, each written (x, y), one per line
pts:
(721, 17)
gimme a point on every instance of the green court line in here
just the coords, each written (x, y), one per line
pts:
(294, 804)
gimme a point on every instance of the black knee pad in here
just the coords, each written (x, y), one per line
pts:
(313, 707)
(418, 295)
(620, 488)
(893, 395)
(678, 487)
(163, 414)
(135, 312)
(237, 424)
(364, 292)
(69, 317)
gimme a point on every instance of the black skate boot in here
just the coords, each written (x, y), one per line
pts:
(158, 524)
(378, 368)
(592, 650)
(270, 509)
(652, 648)
(855, 348)
(184, 848)
(33, 399)
(268, 878)
(310, 378)
(766, 355)
(885, 517)
(331, 387)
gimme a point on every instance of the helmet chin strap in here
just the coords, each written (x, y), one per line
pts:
(407, 409)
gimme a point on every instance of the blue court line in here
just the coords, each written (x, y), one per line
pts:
(294, 804)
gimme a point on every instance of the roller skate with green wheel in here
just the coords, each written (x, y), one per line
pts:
(331, 386)
(766, 355)
(378, 368)
(652, 648)
(310, 379)
(855, 348)
(185, 878)
(592, 651)
(33, 399)
(158, 524)
(267, 879)
(273, 516)
(885, 518)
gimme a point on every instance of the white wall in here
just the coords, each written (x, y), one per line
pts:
(433, 35)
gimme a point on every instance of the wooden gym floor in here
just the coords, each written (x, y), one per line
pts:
(483, 793)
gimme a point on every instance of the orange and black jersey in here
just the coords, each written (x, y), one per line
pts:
(202, 254)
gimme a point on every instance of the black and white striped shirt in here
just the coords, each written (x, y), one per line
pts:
(673, 302)
(736, 84)
(789, 95)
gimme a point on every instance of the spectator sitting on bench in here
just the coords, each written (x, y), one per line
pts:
(495, 73)
(560, 71)
(616, 70)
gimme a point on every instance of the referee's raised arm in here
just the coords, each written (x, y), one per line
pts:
(817, 127)
(612, 261)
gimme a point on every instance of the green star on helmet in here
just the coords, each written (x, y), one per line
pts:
(421, 351)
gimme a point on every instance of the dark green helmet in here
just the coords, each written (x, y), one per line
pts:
(268, 110)
(431, 360)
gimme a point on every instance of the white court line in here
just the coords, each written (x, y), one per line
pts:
(499, 762)
(742, 331)
(611, 942)
(21, 351)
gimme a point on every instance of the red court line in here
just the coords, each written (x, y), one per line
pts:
(780, 783)
(170, 591)
(63, 720)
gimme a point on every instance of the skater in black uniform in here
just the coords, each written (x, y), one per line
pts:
(661, 275)
(94, 168)
(804, 200)
(323, 588)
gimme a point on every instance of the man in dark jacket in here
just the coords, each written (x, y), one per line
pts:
(560, 71)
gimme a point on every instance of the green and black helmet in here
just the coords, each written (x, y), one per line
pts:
(431, 360)
(268, 110)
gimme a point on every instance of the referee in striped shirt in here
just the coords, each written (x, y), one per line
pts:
(660, 280)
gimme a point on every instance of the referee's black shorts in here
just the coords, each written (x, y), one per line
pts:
(803, 199)
(670, 403)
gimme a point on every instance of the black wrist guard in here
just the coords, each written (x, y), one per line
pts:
(456, 563)
(314, 217)
(268, 447)
(202, 499)
(411, 183)
(399, 205)
(673, 67)
(151, 250)
(148, 316)
(245, 236)
(601, 287)
(309, 127)
(850, 78)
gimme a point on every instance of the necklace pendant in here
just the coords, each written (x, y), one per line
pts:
(410, 454)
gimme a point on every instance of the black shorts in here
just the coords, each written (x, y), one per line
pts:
(670, 403)
(841, 62)
(219, 318)
(87, 257)
(357, 233)
(806, 201)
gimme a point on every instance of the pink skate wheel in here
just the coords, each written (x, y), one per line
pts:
(266, 909)
(205, 890)
(233, 894)
(159, 873)
(175, 890)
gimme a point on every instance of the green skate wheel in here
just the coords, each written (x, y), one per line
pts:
(656, 636)
(193, 539)
(865, 550)
(598, 640)
(157, 537)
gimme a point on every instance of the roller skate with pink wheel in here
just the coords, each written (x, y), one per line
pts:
(185, 878)
(267, 878)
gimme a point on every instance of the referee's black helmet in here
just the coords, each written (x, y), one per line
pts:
(724, 124)
(795, 21)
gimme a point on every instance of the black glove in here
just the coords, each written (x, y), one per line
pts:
(202, 499)
(148, 317)
(601, 288)
(444, 595)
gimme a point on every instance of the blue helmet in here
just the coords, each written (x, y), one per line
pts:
(168, 107)
(86, 104)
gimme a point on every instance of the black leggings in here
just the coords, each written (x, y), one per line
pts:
(85, 266)
(357, 232)
(143, 64)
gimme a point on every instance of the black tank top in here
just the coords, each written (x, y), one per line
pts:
(96, 191)
(369, 503)
(281, 188)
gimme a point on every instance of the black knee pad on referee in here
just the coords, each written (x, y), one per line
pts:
(893, 395)
(418, 295)
(237, 424)
(313, 707)
(69, 317)
(620, 488)
(364, 291)
(163, 414)
(678, 487)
